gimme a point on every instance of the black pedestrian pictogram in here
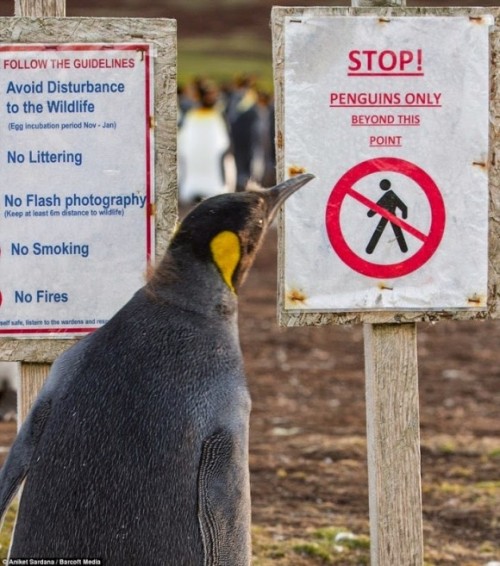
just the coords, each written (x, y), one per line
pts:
(390, 202)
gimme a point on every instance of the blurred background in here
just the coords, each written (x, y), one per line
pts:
(224, 69)
(219, 38)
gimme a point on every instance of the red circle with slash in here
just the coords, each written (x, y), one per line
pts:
(344, 188)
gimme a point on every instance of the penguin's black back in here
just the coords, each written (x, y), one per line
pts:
(123, 444)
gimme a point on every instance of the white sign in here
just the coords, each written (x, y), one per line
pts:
(76, 190)
(391, 115)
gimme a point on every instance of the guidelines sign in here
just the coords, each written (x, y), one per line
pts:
(76, 185)
(391, 115)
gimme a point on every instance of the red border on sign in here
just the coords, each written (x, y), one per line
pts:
(344, 187)
(65, 332)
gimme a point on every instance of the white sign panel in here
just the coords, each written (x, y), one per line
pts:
(391, 115)
(76, 189)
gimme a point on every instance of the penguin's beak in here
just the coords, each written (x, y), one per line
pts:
(277, 195)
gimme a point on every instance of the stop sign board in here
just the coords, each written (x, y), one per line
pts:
(391, 115)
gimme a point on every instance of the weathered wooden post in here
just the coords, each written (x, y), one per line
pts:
(393, 442)
(366, 100)
(393, 432)
(126, 149)
(40, 8)
(35, 368)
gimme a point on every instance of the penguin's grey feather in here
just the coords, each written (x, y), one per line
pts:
(222, 513)
(21, 453)
(136, 451)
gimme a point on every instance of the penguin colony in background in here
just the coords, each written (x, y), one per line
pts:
(136, 450)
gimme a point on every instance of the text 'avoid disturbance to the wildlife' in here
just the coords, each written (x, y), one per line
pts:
(77, 183)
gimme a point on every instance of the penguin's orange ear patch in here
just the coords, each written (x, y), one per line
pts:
(226, 253)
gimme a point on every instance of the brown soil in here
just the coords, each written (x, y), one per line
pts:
(308, 445)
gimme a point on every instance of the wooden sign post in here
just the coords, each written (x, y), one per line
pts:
(136, 146)
(393, 434)
(34, 370)
(393, 442)
(365, 101)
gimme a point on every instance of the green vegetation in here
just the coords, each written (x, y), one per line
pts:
(224, 58)
(7, 528)
(494, 453)
(322, 546)
(329, 545)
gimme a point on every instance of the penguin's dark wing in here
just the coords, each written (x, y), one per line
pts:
(220, 495)
(17, 465)
(21, 453)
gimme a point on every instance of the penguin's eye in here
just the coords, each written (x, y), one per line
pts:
(260, 222)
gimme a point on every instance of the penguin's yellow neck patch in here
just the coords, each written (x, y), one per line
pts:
(226, 253)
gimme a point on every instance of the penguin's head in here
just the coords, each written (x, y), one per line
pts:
(227, 230)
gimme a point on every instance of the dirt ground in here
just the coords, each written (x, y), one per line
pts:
(308, 446)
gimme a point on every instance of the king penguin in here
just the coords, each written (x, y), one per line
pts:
(136, 449)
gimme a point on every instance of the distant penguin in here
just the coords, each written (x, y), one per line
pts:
(243, 117)
(203, 149)
(136, 450)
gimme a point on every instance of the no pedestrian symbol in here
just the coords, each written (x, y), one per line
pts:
(394, 216)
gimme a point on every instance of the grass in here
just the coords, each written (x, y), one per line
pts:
(494, 453)
(326, 546)
(224, 58)
(329, 545)
(6, 531)
(489, 491)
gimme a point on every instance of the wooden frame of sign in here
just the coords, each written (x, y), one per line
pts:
(161, 34)
(318, 318)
